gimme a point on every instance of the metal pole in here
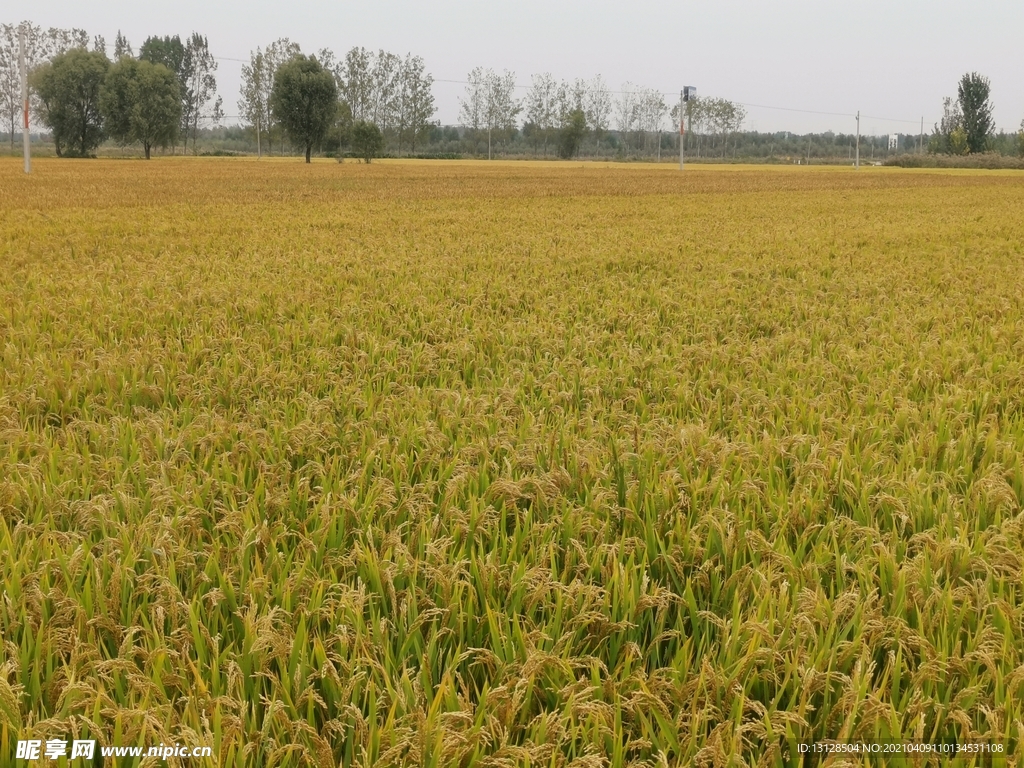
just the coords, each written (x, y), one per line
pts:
(689, 118)
(682, 130)
(24, 98)
(920, 139)
(856, 163)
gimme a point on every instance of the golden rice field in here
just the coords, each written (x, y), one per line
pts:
(456, 464)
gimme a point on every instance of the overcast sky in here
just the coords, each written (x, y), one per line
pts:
(893, 59)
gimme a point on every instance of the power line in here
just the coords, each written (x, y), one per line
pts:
(849, 115)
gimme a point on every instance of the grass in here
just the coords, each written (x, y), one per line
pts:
(509, 464)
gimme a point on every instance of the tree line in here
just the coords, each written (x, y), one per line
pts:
(378, 97)
(167, 92)
(561, 115)
(164, 94)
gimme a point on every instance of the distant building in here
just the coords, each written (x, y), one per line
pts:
(894, 141)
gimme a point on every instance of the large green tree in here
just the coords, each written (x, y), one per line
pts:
(194, 66)
(973, 96)
(69, 88)
(304, 101)
(367, 140)
(141, 101)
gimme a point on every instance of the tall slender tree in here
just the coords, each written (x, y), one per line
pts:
(200, 102)
(38, 47)
(357, 90)
(973, 96)
(416, 100)
(274, 55)
(121, 46)
(252, 105)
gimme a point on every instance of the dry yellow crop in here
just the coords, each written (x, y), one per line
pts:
(509, 464)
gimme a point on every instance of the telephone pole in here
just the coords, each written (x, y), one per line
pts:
(856, 163)
(24, 98)
(688, 92)
(682, 129)
(920, 139)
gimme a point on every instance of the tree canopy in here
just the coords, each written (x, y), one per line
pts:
(141, 102)
(304, 101)
(69, 88)
(367, 140)
(976, 110)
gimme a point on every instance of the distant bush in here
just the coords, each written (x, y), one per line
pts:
(986, 160)
(221, 153)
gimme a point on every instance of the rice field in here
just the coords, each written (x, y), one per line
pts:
(510, 464)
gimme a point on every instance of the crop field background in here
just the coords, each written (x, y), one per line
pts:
(509, 464)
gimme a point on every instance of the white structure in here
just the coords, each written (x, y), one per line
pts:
(894, 141)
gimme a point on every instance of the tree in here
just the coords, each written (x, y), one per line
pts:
(304, 101)
(472, 107)
(626, 111)
(416, 100)
(121, 46)
(60, 41)
(169, 51)
(69, 88)
(540, 106)
(387, 68)
(141, 102)
(367, 140)
(502, 107)
(194, 66)
(199, 88)
(959, 142)
(571, 136)
(1020, 139)
(274, 55)
(357, 90)
(951, 121)
(598, 105)
(340, 134)
(37, 49)
(976, 109)
(252, 106)
(490, 103)
(650, 113)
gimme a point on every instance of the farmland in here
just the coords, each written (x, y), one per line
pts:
(509, 464)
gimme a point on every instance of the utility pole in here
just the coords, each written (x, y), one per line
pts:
(920, 138)
(24, 98)
(856, 163)
(682, 129)
(689, 92)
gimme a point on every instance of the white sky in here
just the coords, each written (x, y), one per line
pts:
(893, 59)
